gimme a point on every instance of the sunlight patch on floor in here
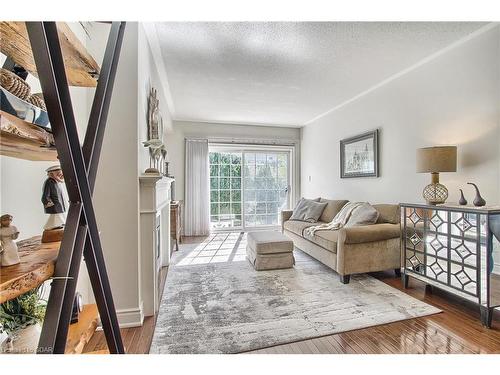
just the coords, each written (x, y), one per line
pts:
(218, 248)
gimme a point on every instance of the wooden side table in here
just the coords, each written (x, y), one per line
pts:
(176, 222)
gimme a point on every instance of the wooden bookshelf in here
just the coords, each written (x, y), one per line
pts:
(37, 265)
(81, 68)
(23, 140)
(26, 141)
(80, 333)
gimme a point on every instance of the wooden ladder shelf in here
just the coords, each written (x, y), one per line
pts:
(52, 52)
(23, 140)
(81, 68)
(37, 265)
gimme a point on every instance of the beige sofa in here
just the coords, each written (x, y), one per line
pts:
(350, 250)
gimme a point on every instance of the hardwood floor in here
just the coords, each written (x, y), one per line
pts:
(136, 340)
(456, 330)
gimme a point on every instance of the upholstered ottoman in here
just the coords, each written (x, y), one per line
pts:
(269, 250)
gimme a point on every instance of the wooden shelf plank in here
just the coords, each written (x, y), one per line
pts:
(23, 140)
(81, 68)
(102, 351)
(80, 333)
(37, 265)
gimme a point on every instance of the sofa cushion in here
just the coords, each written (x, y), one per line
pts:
(269, 242)
(365, 214)
(327, 239)
(332, 208)
(308, 210)
(370, 233)
(388, 213)
(297, 227)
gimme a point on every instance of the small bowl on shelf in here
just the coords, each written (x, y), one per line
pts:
(28, 112)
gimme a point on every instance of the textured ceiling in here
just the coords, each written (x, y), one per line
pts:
(287, 73)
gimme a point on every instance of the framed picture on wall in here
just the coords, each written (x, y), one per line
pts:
(359, 155)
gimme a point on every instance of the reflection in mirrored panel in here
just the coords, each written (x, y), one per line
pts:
(455, 248)
(494, 225)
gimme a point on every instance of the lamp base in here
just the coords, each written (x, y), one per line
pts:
(435, 193)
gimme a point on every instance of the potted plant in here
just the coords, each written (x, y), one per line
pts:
(20, 319)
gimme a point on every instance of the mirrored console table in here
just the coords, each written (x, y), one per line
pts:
(454, 248)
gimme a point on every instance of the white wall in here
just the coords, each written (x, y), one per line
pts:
(453, 99)
(148, 78)
(123, 159)
(116, 192)
(21, 184)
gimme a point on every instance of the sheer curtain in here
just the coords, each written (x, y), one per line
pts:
(197, 191)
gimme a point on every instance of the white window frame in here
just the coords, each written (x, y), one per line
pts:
(243, 148)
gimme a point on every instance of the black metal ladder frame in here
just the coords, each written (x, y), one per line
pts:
(79, 165)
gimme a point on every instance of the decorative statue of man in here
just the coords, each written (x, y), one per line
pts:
(53, 200)
(8, 248)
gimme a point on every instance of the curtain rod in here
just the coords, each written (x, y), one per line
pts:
(246, 141)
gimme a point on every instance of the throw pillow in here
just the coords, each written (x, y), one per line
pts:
(308, 210)
(365, 214)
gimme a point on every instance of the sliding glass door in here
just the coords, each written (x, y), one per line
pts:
(225, 189)
(265, 188)
(248, 188)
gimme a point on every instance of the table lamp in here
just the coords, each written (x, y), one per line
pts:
(434, 160)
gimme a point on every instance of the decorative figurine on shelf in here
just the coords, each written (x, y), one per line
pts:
(8, 248)
(478, 200)
(155, 124)
(53, 204)
(156, 148)
(77, 308)
(462, 201)
(155, 133)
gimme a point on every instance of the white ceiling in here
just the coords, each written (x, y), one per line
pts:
(287, 73)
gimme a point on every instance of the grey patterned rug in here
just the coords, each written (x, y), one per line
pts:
(215, 306)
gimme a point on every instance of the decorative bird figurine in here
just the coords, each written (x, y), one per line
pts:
(478, 200)
(155, 151)
(153, 143)
(462, 201)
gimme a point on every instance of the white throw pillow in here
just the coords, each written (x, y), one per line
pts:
(308, 210)
(365, 214)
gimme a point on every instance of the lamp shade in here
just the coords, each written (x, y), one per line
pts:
(437, 159)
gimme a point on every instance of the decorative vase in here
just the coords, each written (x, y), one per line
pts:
(462, 201)
(478, 200)
(24, 341)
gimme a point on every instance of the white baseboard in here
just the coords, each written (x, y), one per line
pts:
(133, 317)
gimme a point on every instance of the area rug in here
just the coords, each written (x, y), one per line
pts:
(228, 307)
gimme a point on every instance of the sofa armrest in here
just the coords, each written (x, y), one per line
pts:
(285, 216)
(369, 233)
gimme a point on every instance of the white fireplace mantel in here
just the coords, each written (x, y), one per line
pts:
(154, 192)
(154, 208)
